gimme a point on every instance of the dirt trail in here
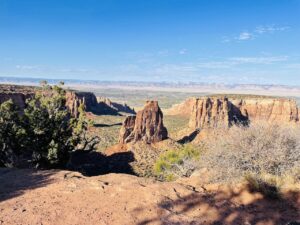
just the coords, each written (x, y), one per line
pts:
(63, 197)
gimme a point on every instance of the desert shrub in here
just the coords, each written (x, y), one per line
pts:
(177, 163)
(269, 186)
(261, 148)
(45, 133)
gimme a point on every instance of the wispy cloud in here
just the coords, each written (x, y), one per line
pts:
(270, 29)
(183, 51)
(245, 36)
(27, 67)
(255, 33)
(259, 60)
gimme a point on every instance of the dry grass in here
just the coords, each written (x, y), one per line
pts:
(267, 153)
(266, 156)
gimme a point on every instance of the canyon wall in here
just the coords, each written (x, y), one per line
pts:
(271, 110)
(214, 112)
(207, 112)
(115, 106)
(18, 94)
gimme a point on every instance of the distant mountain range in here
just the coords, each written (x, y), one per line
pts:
(192, 87)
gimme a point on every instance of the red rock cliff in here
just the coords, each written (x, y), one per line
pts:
(213, 112)
(272, 110)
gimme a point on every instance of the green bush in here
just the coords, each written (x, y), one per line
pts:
(177, 163)
(45, 133)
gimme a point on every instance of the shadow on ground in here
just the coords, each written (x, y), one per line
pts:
(95, 163)
(189, 138)
(14, 182)
(107, 125)
(223, 207)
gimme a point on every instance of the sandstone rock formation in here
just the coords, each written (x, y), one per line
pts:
(214, 112)
(127, 128)
(147, 125)
(74, 99)
(271, 110)
(18, 94)
(115, 106)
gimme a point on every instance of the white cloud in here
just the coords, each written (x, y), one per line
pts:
(27, 67)
(183, 51)
(270, 29)
(259, 60)
(245, 36)
(258, 31)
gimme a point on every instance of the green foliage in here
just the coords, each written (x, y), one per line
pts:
(12, 134)
(45, 132)
(177, 163)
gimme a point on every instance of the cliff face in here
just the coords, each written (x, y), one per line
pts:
(213, 112)
(272, 110)
(147, 125)
(126, 129)
(115, 106)
(19, 99)
(18, 94)
(74, 99)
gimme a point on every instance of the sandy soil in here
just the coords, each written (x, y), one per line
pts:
(63, 197)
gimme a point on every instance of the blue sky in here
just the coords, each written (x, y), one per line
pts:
(224, 41)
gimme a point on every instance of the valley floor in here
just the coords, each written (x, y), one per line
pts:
(63, 197)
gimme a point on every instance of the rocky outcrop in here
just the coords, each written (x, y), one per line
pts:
(19, 99)
(121, 108)
(75, 99)
(18, 94)
(214, 112)
(127, 128)
(146, 126)
(271, 110)
(184, 109)
(96, 105)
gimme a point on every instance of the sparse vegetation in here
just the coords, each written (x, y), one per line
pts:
(260, 148)
(266, 156)
(177, 163)
(108, 128)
